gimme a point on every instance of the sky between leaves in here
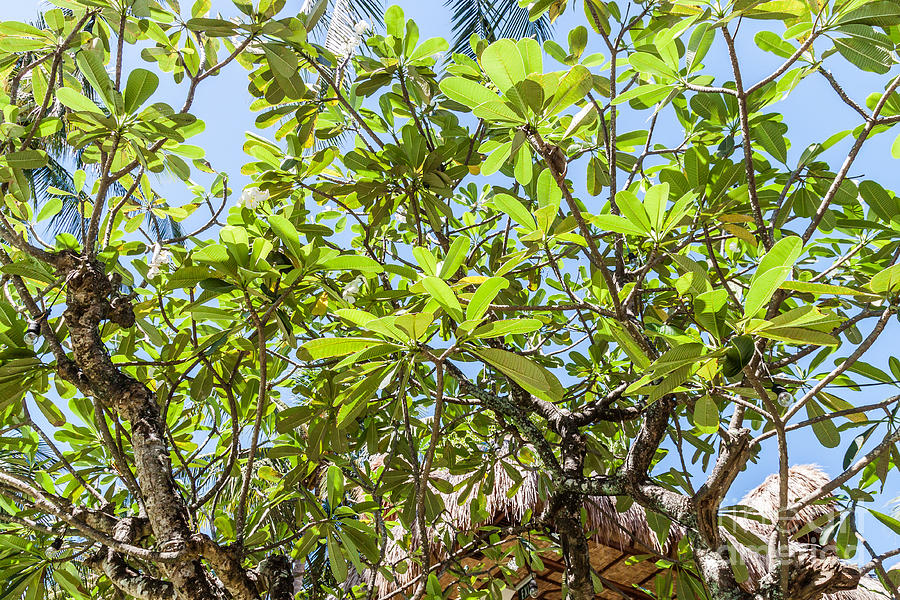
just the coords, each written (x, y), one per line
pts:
(812, 113)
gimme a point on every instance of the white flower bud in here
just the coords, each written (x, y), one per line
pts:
(351, 290)
(252, 197)
(160, 256)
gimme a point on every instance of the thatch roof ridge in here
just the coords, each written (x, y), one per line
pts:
(629, 531)
(803, 480)
(509, 500)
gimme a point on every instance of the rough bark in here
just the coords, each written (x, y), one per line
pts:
(123, 577)
(812, 573)
(566, 513)
(733, 454)
(276, 575)
(92, 298)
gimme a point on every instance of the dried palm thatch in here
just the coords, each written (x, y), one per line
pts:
(618, 539)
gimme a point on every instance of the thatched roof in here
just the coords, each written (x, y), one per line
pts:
(618, 539)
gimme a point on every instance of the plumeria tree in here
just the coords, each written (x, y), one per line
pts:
(611, 273)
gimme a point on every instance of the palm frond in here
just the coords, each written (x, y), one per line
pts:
(492, 20)
(341, 36)
(369, 10)
(55, 175)
(372, 10)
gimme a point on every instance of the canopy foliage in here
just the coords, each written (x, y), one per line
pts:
(457, 265)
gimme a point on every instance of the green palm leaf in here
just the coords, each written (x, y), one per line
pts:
(492, 20)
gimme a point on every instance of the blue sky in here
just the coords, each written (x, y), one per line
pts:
(813, 112)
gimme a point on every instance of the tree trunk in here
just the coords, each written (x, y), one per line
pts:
(92, 299)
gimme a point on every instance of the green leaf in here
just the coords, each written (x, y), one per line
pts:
(282, 61)
(886, 281)
(285, 67)
(67, 578)
(699, 44)
(334, 486)
(771, 136)
(48, 126)
(586, 116)
(776, 9)
(496, 159)
(706, 415)
(140, 86)
(642, 92)
(882, 204)
(336, 555)
(684, 355)
(770, 41)
(515, 209)
(288, 234)
(633, 210)
(845, 540)
(826, 431)
(503, 64)
(784, 253)
(50, 208)
(631, 348)
(76, 101)
(531, 376)
(441, 292)
(763, 288)
(425, 259)
(50, 411)
(523, 169)
(467, 92)
(429, 48)
(597, 15)
(695, 278)
(881, 13)
(571, 88)
(888, 521)
(352, 262)
(200, 8)
(12, 44)
(819, 289)
(894, 363)
(330, 347)
(483, 297)
(738, 563)
(864, 54)
(644, 62)
(94, 72)
(456, 255)
(738, 355)
(394, 21)
(799, 335)
(497, 111)
(187, 277)
(506, 327)
(655, 205)
(532, 57)
(618, 224)
(26, 159)
(774, 269)
(597, 176)
(212, 27)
